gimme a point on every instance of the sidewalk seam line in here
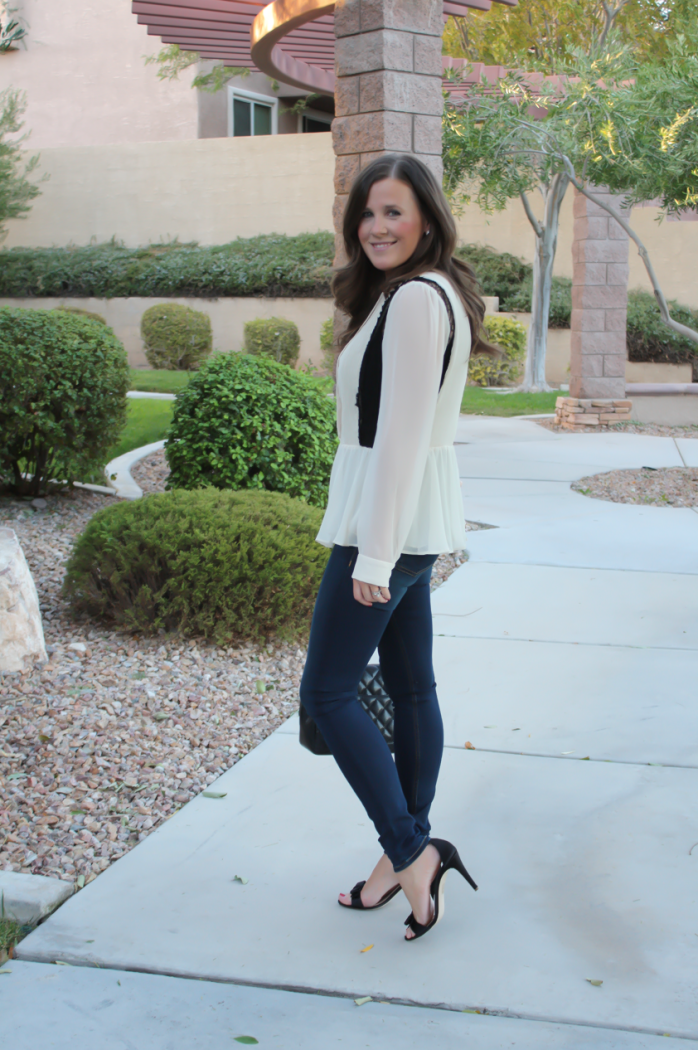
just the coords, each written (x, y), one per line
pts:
(571, 758)
(300, 990)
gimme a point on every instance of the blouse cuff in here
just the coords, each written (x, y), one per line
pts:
(370, 570)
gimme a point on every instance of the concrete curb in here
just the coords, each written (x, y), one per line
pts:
(30, 898)
(152, 395)
(118, 472)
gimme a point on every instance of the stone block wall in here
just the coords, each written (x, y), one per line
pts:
(388, 86)
(599, 301)
(574, 413)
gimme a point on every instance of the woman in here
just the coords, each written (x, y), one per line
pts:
(394, 506)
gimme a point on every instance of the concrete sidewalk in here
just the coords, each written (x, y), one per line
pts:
(566, 650)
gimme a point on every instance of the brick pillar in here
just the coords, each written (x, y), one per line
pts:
(388, 85)
(599, 308)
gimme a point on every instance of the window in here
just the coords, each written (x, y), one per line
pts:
(251, 114)
(314, 120)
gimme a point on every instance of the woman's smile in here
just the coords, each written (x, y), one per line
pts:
(391, 225)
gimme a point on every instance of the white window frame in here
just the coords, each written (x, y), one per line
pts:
(252, 96)
(316, 114)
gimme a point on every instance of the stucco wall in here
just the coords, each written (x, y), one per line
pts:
(213, 190)
(206, 190)
(228, 317)
(86, 81)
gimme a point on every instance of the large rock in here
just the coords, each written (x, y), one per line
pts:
(21, 633)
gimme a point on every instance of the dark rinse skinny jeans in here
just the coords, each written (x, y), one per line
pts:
(396, 795)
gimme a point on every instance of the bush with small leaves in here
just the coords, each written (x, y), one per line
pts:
(222, 565)
(510, 336)
(248, 422)
(62, 398)
(649, 339)
(175, 336)
(82, 313)
(273, 337)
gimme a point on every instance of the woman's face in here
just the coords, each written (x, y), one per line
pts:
(392, 224)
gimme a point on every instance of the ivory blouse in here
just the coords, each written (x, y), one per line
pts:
(402, 495)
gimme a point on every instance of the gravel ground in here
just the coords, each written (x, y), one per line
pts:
(666, 487)
(117, 732)
(649, 429)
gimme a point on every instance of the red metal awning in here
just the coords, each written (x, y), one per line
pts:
(290, 40)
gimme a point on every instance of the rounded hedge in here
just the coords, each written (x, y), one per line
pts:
(249, 423)
(79, 312)
(175, 336)
(225, 565)
(62, 397)
(273, 337)
(510, 336)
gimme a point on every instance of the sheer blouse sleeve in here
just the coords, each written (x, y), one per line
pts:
(414, 343)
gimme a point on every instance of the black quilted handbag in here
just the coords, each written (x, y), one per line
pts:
(373, 699)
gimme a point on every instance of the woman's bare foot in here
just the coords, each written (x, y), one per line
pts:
(381, 879)
(416, 884)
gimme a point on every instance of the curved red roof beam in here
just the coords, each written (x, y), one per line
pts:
(289, 40)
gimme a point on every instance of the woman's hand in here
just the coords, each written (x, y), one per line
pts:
(370, 593)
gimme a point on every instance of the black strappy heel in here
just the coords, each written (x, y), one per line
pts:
(449, 860)
(357, 903)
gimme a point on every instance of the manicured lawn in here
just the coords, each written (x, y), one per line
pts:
(159, 381)
(148, 421)
(480, 402)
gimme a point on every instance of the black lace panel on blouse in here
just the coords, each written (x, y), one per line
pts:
(368, 397)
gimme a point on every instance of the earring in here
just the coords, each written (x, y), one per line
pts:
(427, 232)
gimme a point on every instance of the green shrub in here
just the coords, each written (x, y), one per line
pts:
(62, 397)
(327, 347)
(273, 337)
(224, 565)
(248, 422)
(510, 336)
(560, 301)
(649, 339)
(498, 273)
(269, 265)
(175, 336)
(82, 313)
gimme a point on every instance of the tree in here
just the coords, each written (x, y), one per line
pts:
(16, 191)
(171, 61)
(631, 128)
(541, 34)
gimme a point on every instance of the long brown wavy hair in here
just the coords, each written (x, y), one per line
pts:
(357, 286)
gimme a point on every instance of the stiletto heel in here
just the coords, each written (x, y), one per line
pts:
(449, 860)
(359, 905)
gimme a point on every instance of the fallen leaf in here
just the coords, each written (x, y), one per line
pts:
(260, 686)
(240, 878)
(366, 949)
(470, 747)
(596, 984)
(59, 962)
(214, 794)
(364, 1000)
(586, 759)
(80, 881)
(248, 1040)
(5, 971)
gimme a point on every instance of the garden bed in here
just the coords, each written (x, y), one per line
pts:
(117, 732)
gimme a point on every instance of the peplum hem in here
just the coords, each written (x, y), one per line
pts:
(438, 526)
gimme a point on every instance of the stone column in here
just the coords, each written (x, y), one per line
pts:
(599, 308)
(388, 86)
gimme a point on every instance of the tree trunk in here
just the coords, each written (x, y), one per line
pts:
(546, 245)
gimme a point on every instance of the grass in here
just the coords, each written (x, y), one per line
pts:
(11, 933)
(159, 381)
(480, 402)
(147, 421)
